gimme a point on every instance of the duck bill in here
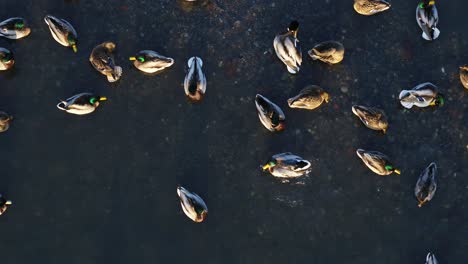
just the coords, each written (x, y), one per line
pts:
(384, 131)
(132, 58)
(75, 49)
(266, 167)
(421, 203)
(433, 103)
(397, 172)
(102, 98)
(8, 203)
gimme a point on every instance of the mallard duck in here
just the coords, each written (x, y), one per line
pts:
(373, 118)
(6, 59)
(14, 28)
(5, 120)
(431, 259)
(330, 52)
(370, 7)
(271, 116)
(377, 162)
(150, 61)
(287, 165)
(423, 95)
(426, 185)
(62, 31)
(287, 48)
(427, 18)
(102, 60)
(311, 97)
(81, 104)
(464, 75)
(195, 80)
(4, 203)
(193, 205)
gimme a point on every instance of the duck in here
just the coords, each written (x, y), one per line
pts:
(271, 116)
(81, 104)
(427, 18)
(62, 31)
(311, 97)
(4, 203)
(431, 259)
(6, 59)
(102, 60)
(287, 165)
(370, 7)
(14, 28)
(195, 80)
(377, 162)
(330, 52)
(426, 185)
(371, 117)
(150, 61)
(5, 120)
(422, 95)
(464, 75)
(193, 205)
(287, 48)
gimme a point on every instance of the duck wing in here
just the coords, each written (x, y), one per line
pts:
(288, 51)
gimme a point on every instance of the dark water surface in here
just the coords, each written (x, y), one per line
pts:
(102, 188)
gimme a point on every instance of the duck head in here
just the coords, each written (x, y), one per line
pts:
(96, 99)
(383, 125)
(439, 100)
(72, 42)
(390, 168)
(269, 165)
(294, 27)
(426, 3)
(325, 96)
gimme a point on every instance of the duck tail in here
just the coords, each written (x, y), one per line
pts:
(115, 76)
(197, 59)
(436, 33)
(62, 106)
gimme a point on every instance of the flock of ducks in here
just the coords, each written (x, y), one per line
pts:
(102, 59)
(287, 49)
